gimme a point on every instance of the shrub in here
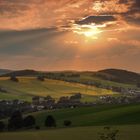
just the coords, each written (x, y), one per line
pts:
(41, 78)
(14, 78)
(50, 121)
(29, 121)
(67, 123)
(37, 127)
(15, 121)
(138, 85)
(108, 134)
(77, 96)
(2, 126)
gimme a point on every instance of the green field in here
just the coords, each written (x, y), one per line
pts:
(87, 122)
(87, 76)
(29, 86)
(93, 116)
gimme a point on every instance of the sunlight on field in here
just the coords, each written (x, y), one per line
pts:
(29, 86)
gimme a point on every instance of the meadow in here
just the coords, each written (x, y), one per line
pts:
(27, 87)
(87, 122)
(93, 116)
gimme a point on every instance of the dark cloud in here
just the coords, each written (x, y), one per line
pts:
(123, 1)
(24, 42)
(34, 14)
(136, 4)
(133, 15)
(13, 7)
(59, 47)
(31, 32)
(132, 19)
(96, 19)
(135, 7)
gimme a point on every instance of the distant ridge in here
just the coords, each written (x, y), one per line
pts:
(116, 75)
(119, 75)
(22, 73)
(4, 71)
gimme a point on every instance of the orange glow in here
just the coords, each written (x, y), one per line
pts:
(69, 34)
(89, 31)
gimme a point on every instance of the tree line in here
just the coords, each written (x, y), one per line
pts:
(18, 122)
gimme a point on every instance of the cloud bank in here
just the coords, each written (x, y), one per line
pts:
(40, 34)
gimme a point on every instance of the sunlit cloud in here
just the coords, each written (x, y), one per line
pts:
(70, 34)
(40, 14)
(87, 30)
(111, 6)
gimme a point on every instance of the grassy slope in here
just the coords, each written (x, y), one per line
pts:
(90, 116)
(29, 86)
(85, 77)
(125, 118)
(119, 75)
(122, 76)
(93, 77)
(80, 133)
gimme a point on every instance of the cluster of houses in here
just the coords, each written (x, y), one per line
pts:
(64, 102)
(130, 91)
(7, 107)
(118, 100)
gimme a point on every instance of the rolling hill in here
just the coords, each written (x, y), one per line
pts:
(114, 75)
(22, 73)
(27, 87)
(65, 83)
(117, 75)
(94, 116)
(4, 71)
(86, 123)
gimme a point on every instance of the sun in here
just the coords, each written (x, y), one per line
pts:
(89, 31)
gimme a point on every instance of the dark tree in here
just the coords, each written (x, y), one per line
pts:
(50, 121)
(48, 98)
(15, 121)
(2, 126)
(67, 123)
(29, 121)
(77, 96)
(41, 78)
(14, 78)
(138, 85)
(37, 127)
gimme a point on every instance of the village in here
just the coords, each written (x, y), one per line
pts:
(48, 103)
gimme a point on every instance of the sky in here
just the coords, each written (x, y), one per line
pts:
(51, 35)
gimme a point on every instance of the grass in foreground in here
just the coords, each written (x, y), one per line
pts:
(127, 132)
(87, 123)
